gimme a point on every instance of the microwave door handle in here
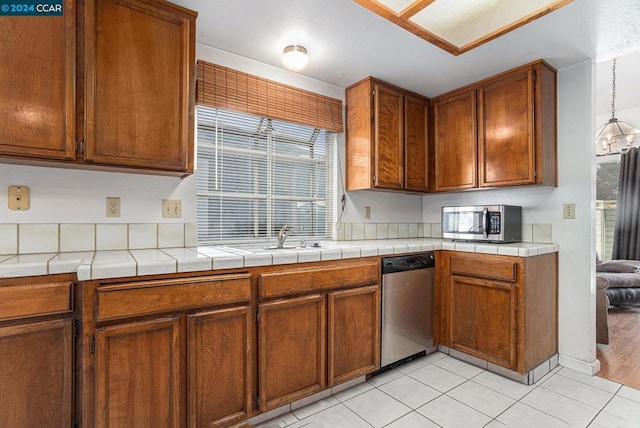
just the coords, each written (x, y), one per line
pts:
(485, 221)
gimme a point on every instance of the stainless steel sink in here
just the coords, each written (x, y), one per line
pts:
(257, 247)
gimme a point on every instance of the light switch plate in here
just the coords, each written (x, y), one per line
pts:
(19, 199)
(171, 208)
(367, 213)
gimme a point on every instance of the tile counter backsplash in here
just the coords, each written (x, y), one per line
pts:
(369, 231)
(33, 238)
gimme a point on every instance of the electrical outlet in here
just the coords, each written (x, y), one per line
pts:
(18, 198)
(569, 211)
(113, 207)
(367, 213)
(171, 208)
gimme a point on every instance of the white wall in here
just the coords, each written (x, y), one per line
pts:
(385, 206)
(77, 196)
(247, 65)
(544, 205)
(60, 195)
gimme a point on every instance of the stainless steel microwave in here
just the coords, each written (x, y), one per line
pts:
(487, 223)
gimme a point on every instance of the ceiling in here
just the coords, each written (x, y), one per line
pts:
(347, 42)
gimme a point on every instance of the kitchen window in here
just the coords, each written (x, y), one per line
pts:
(255, 174)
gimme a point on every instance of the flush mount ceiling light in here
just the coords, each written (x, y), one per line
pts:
(458, 26)
(615, 136)
(295, 58)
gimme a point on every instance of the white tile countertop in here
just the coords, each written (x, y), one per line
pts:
(124, 263)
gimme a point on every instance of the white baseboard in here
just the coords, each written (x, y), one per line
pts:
(590, 368)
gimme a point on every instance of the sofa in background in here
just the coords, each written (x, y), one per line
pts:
(617, 284)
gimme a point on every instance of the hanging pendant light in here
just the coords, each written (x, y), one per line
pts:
(616, 136)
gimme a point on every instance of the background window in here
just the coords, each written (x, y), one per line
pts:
(607, 176)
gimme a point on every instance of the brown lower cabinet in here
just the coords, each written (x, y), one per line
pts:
(36, 352)
(138, 368)
(499, 308)
(353, 325)
(168, 352)
(214, 350)
(36, 368)
(292, 347)
(219, 352)
(140, 376)
(483, 319)
(308, 342)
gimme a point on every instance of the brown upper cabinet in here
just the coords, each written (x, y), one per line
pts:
(109, 83)
(455, 142)
(37, 85)
(498, 132)
(386, 137)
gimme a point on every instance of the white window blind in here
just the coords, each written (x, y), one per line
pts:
(256, 174)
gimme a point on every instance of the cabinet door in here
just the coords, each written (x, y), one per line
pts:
(415, 147)
(292, 344)
(37, 80)
(388, 137)
(138, 370)
(219, 367)
(455, 142)
(139, 84)
(354, 333)
(483, 319)
(36, 368)
(506, 147)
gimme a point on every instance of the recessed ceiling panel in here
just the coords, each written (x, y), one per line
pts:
(460, 25)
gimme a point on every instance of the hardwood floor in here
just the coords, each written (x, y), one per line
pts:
(620, 359)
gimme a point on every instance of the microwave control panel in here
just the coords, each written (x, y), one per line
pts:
(494, 222)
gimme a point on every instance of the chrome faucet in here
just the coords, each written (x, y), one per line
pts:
(285, 232)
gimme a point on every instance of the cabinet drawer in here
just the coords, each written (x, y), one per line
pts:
(318, 279)
(484, 267)
(28, 300)
(152, 297)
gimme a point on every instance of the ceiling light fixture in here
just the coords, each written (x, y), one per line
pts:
(295, 58)
(616, 136)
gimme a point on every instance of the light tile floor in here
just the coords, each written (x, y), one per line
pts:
(440, 391)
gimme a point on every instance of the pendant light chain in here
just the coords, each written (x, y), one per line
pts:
(613, 91)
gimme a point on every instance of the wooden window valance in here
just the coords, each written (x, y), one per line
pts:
(226, 88)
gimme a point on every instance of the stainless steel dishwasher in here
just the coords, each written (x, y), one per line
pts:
(407, 306)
